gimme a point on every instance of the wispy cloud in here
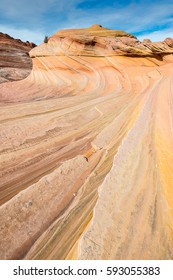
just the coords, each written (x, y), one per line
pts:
(48, 16)
(34, 18)
(20, 9)
(33, 9)
(23, 34)
(157, 36)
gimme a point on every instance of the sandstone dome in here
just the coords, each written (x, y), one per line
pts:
(96, 26)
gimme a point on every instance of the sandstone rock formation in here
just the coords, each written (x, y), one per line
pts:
(87, 150)
(15, 63)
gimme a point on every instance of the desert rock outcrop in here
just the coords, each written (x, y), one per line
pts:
(15, 63)
(87, 150)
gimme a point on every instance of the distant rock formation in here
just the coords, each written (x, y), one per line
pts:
(15, 63)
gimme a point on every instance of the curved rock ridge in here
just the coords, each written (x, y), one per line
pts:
(99, 41)
(86, 152)
(15, 63)
(94, 30)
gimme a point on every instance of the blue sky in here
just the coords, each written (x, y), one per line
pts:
(33, 19)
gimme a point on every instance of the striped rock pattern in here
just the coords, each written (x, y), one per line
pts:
(15, 63)
(87, 150)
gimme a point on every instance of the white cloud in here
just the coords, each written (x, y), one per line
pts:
(32, 20)
(35, 8)
(133, 18)
(24, 8)
(23, 34)
(37, 18)
(157, 36)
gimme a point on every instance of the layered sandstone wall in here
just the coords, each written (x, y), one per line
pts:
(15, 63)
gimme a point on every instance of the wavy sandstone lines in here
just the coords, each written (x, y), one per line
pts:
(87, 147)
(137, 173)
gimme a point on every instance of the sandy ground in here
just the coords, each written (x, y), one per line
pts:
(87, 147)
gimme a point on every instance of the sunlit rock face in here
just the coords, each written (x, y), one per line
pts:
(87, 150)
(15, 63)
(98, 41)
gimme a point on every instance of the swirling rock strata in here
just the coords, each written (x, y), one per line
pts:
(15, 63)
(87, 150)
